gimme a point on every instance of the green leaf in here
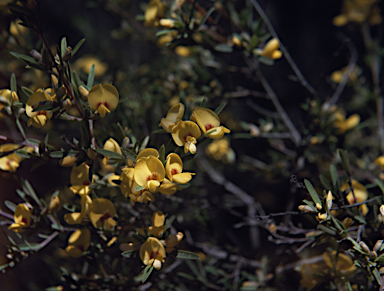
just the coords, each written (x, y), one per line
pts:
(63, 46)
(206, 16)
(185, 275)
(334, 175)
(76, 48)
(22, 153)
(45, 105)
(56, 154)
(129, 154)
(144, 143)
(27, 91)
(22, 194)
(159, 131)
(311, 205)
(109, 154)
(162, 153)
(147, 271)
(266, 61)
(220, 108)
(128, 254)
(91, 77)
(24, 58)
(13, 83)
(223, 48)
(186, 255)
(10, 205)
(24, 247)
(69, 207)
(360, 219)
(327, 229)
(344, 160)
(20, 127)
(312, 192)
(2, 267)
(31, 192)
(380, 184)
(164, 31)
(377, 276)
(325, 182)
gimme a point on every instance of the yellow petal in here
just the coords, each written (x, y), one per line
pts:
(205, 118)
(158, 218)
(103, 98)
(148, 152)
(183, 130)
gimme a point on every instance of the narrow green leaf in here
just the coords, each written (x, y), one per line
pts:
(56, 154)
(69, 207)
(312, 192)
(22, 153)
(344, 160)
(128, 254)
(31, 192)
(159, 131)
(360, 219)
(20, 127)
(91, 77)
(164, 31)
(162, 153)
(22, 194)
(377, 276)
(206, 16)
(25, 58)
(310, 205)
(223, 48)
(129, 154)
(76, 48)
(186, 255)
(63, 46)
(45, 105)
(2, 267)
(266, 61)
(334, 175)
(220, 108)
(325, 182)
(144, 143)
(327, 229)
(380, 184)
(13, 83)
(27, 246)
(27, 91)
(109, 154)
(147, 272)
(187, 276)
(10, 205)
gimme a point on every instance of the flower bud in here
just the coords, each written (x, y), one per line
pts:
(321, 217)
(373, 255)
(378, 245)
(67, 104)
(125, 142)
(67, 161)
(61, 92)
(306, 209)
(167, 23)
(67, 54)
(36, 55)
(83, 92)
(91, 153)
(318, 206)
(54, 204)
(364, 247)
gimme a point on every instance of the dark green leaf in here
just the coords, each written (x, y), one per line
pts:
(139, 188)
(128, 254)
(56, 154)
(13, 83)
(109, 154)
(27, 91)
(312, 192)
(129, 154)
(266, 61)
(159, 131)
(206, 16)
(25, 58)
(334, 175)
(344, 160)
(164, 31)
(220, 108)
(63, 46)
(377, 276)
(91, 77)
(360, 219)
(310, 205)
(327, 229)
(19, 126)
(147, 271)
(223, 47)
(186, 255)
(31, 192)
(325, 182)
(380, 184)
(162, 153)
(45, 105)
(2, 267)
(144, 143)
(185, 275)
(22, 194)
(22, 153)
(76, 48)
(11, 206)
(69, 207)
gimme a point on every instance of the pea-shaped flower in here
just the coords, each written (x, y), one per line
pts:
(38, 118)
(77, 217)
(79, 179)
(174, 169)
(103, 99)
(208, 121)
(11, 162)
(153, 13)
(22, 218)
(101, 213)
(360, 194)
(168, 188)
(7, 97)
(112, 146)
(270, 50)
(152, 253)
(174, 115)
(186, 133)
(149, 173)
(172, 241)
(157, 228)
(78, 242)
(148, 152)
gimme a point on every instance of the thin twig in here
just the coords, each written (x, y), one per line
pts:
(295, 135)
(287, 56)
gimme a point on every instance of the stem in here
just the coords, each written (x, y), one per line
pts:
(288, 57)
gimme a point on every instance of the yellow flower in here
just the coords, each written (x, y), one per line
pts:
(11, 162)
(185, 134)
(153, 13)
(342, 264)
(174, 169)
(79, 179)
(361, 194)
(336, 76)
(380, 162)
(168, 188)
(101, 213)
(270, 50)
(85, 63)
(7, 97)
(126, 181)
(358, 11)
(68, 161)
(103, 99)
(172, 241)
(78, 242)
(149, 172)
(343, 124)
(220, 150)
(148, 152)
(38, 118)
(152, 253)
(112, 146)
(174, 115)
(183, 51)
(22, 217)
(78, 217)
(157, 228)
(208, 120)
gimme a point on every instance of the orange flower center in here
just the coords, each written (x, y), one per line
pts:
(102, 103)
(42, 112)
(153, 176)
(24, 220)
(208, 126)
(154, 255)
(104, 217)
(174, 171)
(189, 134)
